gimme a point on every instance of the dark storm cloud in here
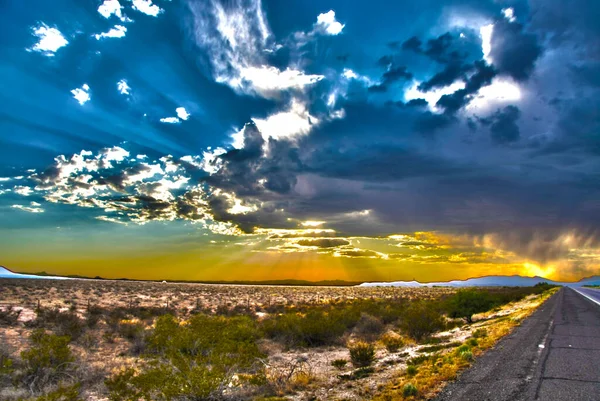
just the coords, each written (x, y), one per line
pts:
(413, 44)
(243, 168)
(448, 76)
(504, 128)
(482, 76)
(323, 242)
(514, 51)
(391, 76)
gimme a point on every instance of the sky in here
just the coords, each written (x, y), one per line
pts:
(310, 140)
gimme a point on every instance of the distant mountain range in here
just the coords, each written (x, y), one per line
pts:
(488, 281)
(5, 273)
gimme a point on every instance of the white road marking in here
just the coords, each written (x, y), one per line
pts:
(587, 296)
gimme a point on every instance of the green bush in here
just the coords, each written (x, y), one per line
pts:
(409, 390)
(411, 370)
(420, 320)
(467, 355)
(48, 351)
(316, 328)
(362, 354)
(467, 302)
(194, 360)
(62, 323)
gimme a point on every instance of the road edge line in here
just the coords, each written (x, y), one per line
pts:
(587, 296)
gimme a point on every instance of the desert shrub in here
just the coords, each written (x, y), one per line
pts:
(314, 329)
(47, 351)
(92, 316)
(472, 342)
(368, 326)
(362, 354)
(467, 355)
(339, 363)
(88, 341)
(195, 360)
(130, 331)
(420, 320)
(47, 360)
(480, 333)
(409, 390)
(467, 302)
(9, 316)
(63, 393)
(392, 342)
(411, 370)
(6, 366)
(62, 323)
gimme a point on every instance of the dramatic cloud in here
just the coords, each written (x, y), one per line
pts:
(459, 135)
(513, 51)
(504, 127)
(237, 39)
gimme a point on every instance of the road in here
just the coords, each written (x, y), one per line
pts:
(554, 355)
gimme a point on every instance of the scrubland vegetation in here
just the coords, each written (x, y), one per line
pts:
(327, 343)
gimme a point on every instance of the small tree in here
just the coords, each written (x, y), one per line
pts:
(467, 302)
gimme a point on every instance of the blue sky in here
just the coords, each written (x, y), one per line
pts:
(158, 122)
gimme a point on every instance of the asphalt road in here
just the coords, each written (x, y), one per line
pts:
(554, 355)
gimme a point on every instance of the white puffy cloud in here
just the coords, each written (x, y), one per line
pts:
(33, 208)
(112, 7)
(509, 14)
(118, 31)
(50, 40)
(122, 87)
(328, 24)
(209, 161)
(116, 153)
(148, 171)
(82, 94)
(22, 190)
(146, 7)
(269, 81)
(182, 113)
(170, 120)
(294, 122)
